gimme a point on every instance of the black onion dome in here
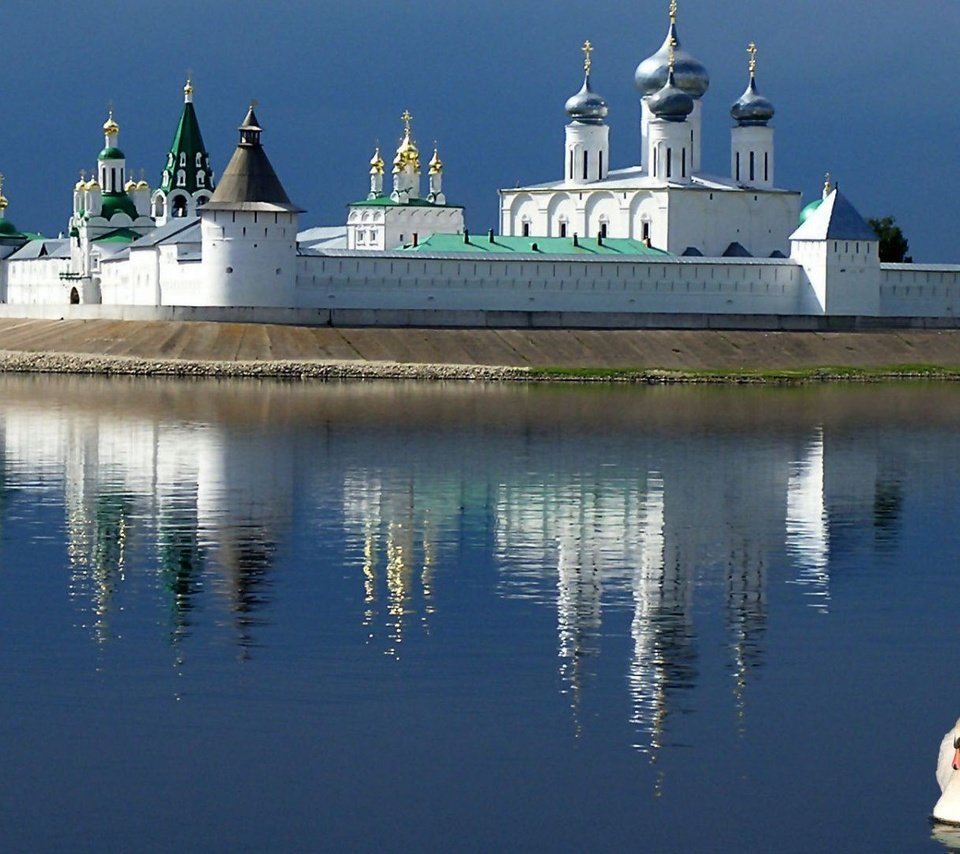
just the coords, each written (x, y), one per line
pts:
(671, 102)
(586, 106)
(752, 108)
(691, 75)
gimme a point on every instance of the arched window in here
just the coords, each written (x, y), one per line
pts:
(179, 207)
(526, 228)
(199, 160)
(181, 178)
(201, 178)
(183, 158)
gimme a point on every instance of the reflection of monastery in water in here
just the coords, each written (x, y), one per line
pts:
(200, 503)
(628, 528)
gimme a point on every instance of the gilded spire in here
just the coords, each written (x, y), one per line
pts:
(436, 164)
(188, 90)
(673, 11)
(587, 61)
(376, 163)
(407, 153)
(672, 60)
(110, 127)
(4, 204)
(827, 187)
(752, 53)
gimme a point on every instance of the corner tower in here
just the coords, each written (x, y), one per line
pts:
(249, 231)
(187, 181)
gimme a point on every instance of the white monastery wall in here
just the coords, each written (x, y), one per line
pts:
(716, 286)
(38, 281)
(919, 290)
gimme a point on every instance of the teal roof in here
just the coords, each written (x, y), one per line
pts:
(387, 202)
(118, 235)
(187, 153)
(114, 203)
(8, 229)
(454, 243)
(111, 154)
(809, 209)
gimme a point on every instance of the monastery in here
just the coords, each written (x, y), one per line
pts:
(658, 243)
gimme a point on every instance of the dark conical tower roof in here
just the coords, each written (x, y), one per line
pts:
(249, 182)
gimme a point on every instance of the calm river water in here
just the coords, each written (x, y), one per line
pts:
(404, 617)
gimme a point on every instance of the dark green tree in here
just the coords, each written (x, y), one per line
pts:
(893, 245)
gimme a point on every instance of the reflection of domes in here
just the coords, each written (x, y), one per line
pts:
(691, 75)
(671, 102)
(586, 106)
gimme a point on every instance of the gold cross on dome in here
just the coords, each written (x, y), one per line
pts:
(406, 118)
(587, 61)
(752, 52)
(673, 11)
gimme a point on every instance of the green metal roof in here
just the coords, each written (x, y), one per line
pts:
(118, 235)
(187, 144)
(454, 243)
(111, 154)
(114, 203)
(387, 202)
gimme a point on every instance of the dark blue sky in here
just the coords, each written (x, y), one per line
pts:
(861, 90)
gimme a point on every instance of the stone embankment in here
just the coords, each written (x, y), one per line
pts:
(176, 348)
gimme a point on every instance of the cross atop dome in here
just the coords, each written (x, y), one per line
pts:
(752, 53)
(587, 61)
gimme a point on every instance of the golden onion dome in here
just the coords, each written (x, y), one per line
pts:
(81, 185)
(143, 185)
(4, 204)
(93, 184)
(110, 127)
(407, 154)
(130, 186)
(436, 164)
(376, 163)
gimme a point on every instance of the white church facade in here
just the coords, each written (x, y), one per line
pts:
(657, 243)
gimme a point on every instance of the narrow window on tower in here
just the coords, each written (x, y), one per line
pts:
(669, 162)
(526, 229)
(571, 165)
(751, 166)
(563, 229)
(601, 165)
(738, 166)
(603, 230)
(586, 164)
(656, 162)
(683, 164)
(766, 166)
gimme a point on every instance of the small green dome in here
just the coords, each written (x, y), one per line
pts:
(7, 228)
(114, 203)
(809, 209)
(111, 154)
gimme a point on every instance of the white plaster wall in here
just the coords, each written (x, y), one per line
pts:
(916, 290)
(529, 284)
(713, 219)
(248, 258)
(38, 281)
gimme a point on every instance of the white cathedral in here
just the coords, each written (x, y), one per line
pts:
(658, 243)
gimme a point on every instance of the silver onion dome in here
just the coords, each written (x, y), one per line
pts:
(587, 107)
(691, 75)
(752, 108)
(671, 102)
